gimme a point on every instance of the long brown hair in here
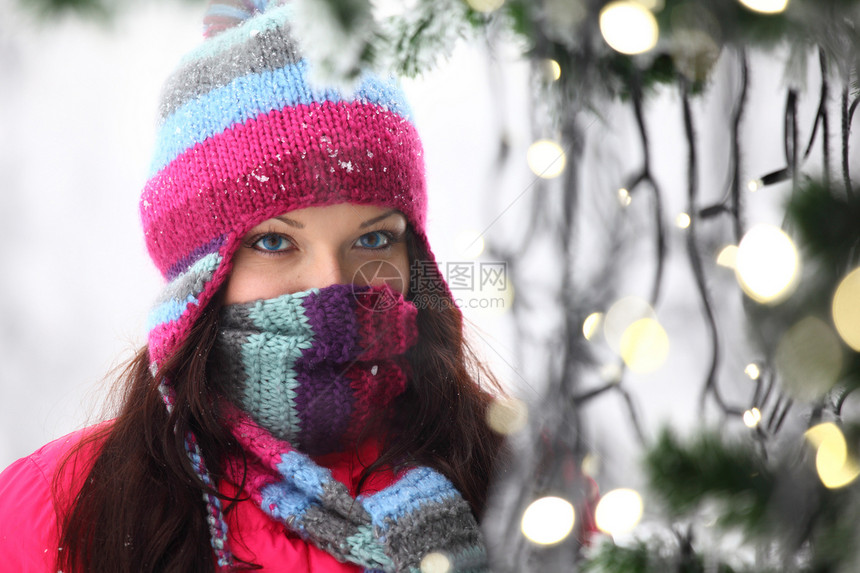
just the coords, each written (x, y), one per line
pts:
(141, 507)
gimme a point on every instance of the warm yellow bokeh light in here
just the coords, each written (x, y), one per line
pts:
(624, 312)
(546, 158)
(629, 27)
(435, 562)
(752, 417)
(753, 371)
(754, 185)
(728, 257)
(846, 309)
(591, 324)
(469, 244)
(507, 415)
(485, 5)
(548, 520)
(767, 266)
(618, 511)
(644, 345)
(809, 358)
(624, 197)
(553, 69)
(682, 221)
(591, 465)
(766, 6)
(834, 466)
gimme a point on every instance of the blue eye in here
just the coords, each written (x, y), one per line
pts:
(272, 243)
(374, 240)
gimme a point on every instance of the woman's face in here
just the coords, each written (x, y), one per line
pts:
(320, 246)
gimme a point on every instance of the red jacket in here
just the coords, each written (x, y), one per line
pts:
(29, 525)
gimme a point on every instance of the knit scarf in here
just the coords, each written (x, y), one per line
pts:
(311, 371)
(315, 368)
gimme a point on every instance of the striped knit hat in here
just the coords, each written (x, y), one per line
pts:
(245, 137)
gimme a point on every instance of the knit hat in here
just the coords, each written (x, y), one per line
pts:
(243, 137)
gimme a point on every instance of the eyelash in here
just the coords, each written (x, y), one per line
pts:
(391, 238)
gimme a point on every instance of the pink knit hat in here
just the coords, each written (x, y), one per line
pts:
(245, 137)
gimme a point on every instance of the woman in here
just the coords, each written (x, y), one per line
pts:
(295, 409)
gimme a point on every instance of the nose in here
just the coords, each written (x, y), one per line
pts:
(325, 269)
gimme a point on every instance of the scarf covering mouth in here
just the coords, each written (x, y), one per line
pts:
(390, 531)
(316, 368)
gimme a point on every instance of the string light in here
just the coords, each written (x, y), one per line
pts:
(590, 465)
(809, 357)
(618, 511)
(553, 69)
(485, 6)
(845, 309)
(682, 221)
(835, 467)
(546, 158)
(435, 562)
(624, 197)
(767, 265)
(753, 371)
(507, 416)
(644, 345)
(548, 520)
(766, 6)
(752, 417)
(628, 27)
(591, 324)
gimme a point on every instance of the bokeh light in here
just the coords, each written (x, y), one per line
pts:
(507, 415)
(624, 197)
(435, 562)
(485, 5)
(767, 264)
(834, 466)
(753, 371)
(553, 69)
(618, 511)
(621, 314)
(766, 6)
(644, 345)
(728, 257)
(752, 417)
(591, 324)
(809, 358)
(548, 520)
(591, 465)
(546, 158)
(754, 185)
(846, 309)
(682, 221)
(629, 27)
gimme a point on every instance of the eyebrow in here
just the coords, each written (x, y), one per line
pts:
(370, 222)
(291, 222)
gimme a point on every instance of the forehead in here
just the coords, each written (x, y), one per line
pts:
(342, 214)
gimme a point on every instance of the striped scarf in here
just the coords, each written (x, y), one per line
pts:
(311, 371)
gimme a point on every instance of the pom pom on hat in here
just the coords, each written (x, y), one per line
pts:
(224, 14)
